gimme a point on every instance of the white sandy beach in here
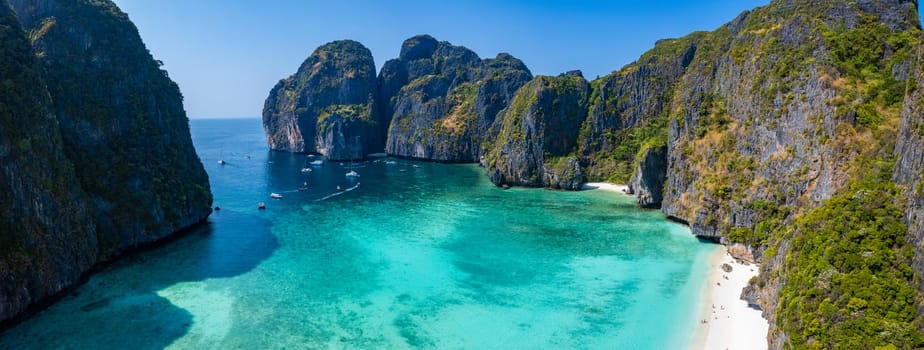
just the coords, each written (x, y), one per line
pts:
(624, 189)
(731, 324)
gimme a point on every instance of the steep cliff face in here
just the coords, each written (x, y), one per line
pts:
(46, 235)
(442, 100)
(788, 112)
(328, 105)
(537, 142)
(766, 117)
(909, 167)
(122, 121)
(112, 163)
(647, 183)
(629, 110)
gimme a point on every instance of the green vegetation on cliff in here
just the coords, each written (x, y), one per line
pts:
(624, 121)
(31, 158)
(78, 86)
(328, 106)
(537, 141)
(848, 279)
(115, 91)
(443, 100)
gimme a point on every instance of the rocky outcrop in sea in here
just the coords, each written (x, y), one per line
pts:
(328, 106)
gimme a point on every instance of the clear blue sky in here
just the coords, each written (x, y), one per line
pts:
(227, 55)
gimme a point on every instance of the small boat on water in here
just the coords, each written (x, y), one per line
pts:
(222, 162)
(352, 173)
(316, 162)
(275, 195)
(306, 170)
(261, 205)
(390, 162)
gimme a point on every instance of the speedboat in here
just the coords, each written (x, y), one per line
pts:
(316, 162)
(222, 162)
(352, 173)
(306, 170)
(275, 195)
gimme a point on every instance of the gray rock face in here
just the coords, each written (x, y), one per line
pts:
(909, 166)
(442, 100)
(631, 106)
(648, 181)
(46, 233)
(131, 175)
(538, 138)
(761, 130)
(328, 106)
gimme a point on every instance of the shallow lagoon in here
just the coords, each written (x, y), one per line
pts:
(409, 255)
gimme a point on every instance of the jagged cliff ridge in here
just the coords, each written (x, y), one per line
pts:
(328, 106)
(112, 163)
(436, 101)
(443, 100)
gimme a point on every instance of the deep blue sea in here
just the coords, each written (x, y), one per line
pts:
(407, 255)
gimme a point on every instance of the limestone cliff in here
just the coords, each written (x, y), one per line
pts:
(537, 142)
(909, 168)
(782, 114)
(113, 165)
(647, 183)
(46, 234)
(328, 106)
(442, 100)
(630, 109)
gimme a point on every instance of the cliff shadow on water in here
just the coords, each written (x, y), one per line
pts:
(125, 302)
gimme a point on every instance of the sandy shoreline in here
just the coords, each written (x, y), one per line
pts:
(730, 323)
(624, 189)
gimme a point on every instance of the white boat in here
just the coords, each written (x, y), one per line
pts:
(222, 162)
(316, 162)
(275, 195)
(306, 170)
(390, 162)
(352, 173)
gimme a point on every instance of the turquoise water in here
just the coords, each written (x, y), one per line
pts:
(409, 255)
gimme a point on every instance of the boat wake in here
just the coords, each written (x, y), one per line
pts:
(337, 193)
